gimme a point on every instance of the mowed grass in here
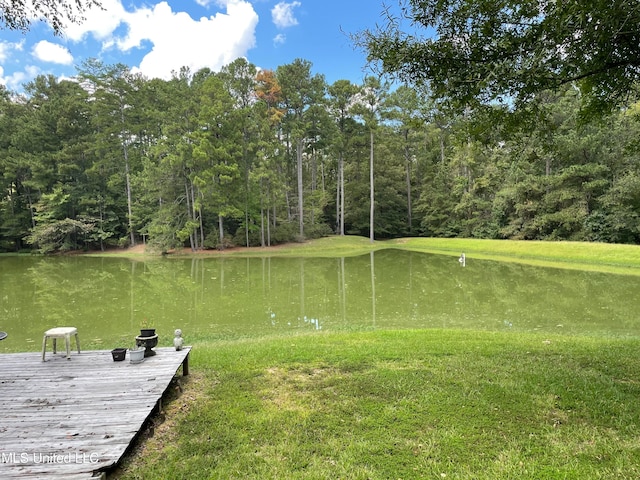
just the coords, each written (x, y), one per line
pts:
(434, 404)
(604, 257)
(614, 258)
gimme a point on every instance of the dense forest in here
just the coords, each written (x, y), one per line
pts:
(257, 157)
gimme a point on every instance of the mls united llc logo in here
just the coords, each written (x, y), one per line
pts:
(57, 458)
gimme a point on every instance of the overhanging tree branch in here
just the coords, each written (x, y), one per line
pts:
(481, 50)
(20, 14)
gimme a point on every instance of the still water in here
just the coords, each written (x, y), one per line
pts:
(109, 299)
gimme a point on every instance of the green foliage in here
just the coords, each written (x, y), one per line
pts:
(317, 230)
(208, 160)
(60, 235)
(253, 233)
(485, 51)
(212, 241)
(285, 233)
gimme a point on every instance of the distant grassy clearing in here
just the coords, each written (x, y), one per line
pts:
(614, 258)
(605, 257)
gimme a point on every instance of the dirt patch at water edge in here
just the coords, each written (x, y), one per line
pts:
(141, 249)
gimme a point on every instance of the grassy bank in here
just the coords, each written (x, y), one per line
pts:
(604, 257)
(404, 404)
(614, 258)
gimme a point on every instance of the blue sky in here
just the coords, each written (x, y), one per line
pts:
(158, 37)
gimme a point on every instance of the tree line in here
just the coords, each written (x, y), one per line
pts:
(258, 157)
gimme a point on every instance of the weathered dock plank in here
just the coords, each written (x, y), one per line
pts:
(75, 418)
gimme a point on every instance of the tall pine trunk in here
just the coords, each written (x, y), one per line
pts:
(220, 233)
(300, 192)
(132, 238)
(371, 194)
(407, 160)
(340, 195)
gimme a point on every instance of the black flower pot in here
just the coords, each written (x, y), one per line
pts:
(118, 354)
(147, 332)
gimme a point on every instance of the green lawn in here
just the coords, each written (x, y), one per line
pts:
(433, 404)
(606, 257)
(403, 404)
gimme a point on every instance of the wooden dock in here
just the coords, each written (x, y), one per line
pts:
(74, 419)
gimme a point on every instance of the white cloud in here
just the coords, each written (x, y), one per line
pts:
(7, 49)
(178, 40)
(52, 52)
(175, 38)
(99, 22)
(16, 79)
(279, 39)
(282, 14)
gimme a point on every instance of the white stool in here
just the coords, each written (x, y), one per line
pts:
(60, 332)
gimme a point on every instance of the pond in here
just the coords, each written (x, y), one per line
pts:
(109, 299)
